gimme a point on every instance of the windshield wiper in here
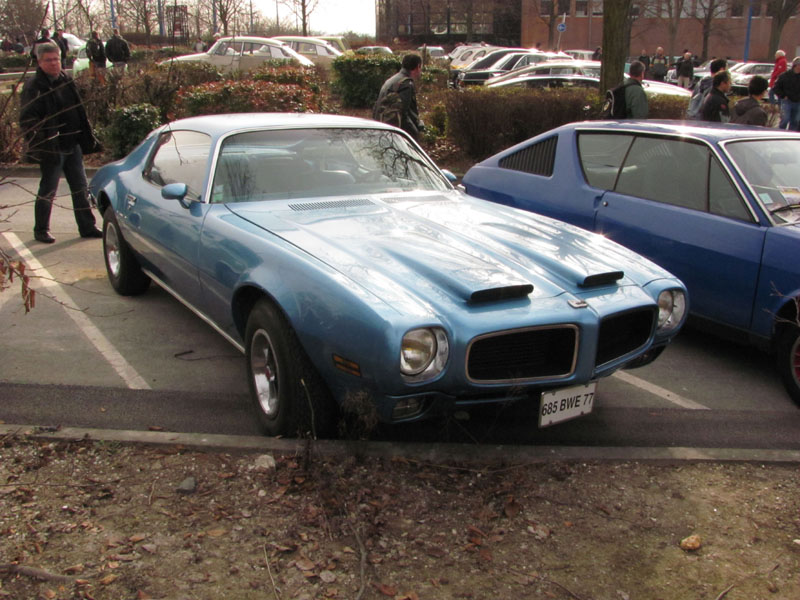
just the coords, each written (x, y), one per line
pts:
(791, 206)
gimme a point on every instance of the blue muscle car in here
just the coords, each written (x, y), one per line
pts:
(718, 206)
(342, 262)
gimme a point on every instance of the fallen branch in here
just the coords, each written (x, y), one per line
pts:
(363, 562)
(35, 573)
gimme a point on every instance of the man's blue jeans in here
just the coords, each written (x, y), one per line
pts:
(71, 163)
(790, 115)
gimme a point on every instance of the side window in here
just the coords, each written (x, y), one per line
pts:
(723, 198)
(537, 159)
(180, 157)
(668, 171)
(601, 156)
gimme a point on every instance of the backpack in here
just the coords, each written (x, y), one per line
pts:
(614, 106)
(696, 102)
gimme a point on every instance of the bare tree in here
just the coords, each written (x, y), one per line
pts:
(550, 12)
(780, 11)
(22, 17)
(708, 13)
(615, 46)
(302, 9)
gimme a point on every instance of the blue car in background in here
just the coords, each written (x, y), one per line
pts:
(718, 206)
(350, 272)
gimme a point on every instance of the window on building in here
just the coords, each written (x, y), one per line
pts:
(737, 8)
(545, 8)
(597, 7)
(581, 8)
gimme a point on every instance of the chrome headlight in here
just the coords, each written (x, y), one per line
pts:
(423, 353)
(671, 309)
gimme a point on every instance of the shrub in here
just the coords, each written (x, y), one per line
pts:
(311, 78)
(244, 96)
(484, 121)
(11, 143)
(358, 78)
(129, 126)
(16, 62)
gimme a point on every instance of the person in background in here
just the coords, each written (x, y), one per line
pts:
(397, 100)
(703, 86)
(715, 106)
(636, 106)
(644, 58)
(684, 69)
(6, 46)
(58, 38)
(777, 71)
(199, 46)
(57, 135)
(748, 111)
(659, 65)
(787, 88)
(44, 37)
(118, 51)
(598, 53)
(97, 58)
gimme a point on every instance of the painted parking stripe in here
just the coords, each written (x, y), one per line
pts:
(657, 390)
(44, 280)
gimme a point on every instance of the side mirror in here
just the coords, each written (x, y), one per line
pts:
(449, 176)
(175, 191)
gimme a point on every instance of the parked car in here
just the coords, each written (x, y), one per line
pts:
(341, 261)
(551, 67)
(433, 51)
(744, 72)
(533, 79)
(503, 65)
(81, 62)
(718, 206)
(463, 56)
(580, 54)
(316, 50)
(374, 50)
(243, 54)
(337, 41)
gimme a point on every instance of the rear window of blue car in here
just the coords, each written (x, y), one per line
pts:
(536, 159)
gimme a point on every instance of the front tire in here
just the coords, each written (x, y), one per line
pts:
(287, 393)
(789, 360)
(124, 272)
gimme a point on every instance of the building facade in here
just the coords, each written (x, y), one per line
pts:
(565, 24)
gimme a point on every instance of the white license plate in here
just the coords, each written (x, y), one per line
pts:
(566, 403)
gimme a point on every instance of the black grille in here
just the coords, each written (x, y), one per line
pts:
(523, 354)
(623, 333)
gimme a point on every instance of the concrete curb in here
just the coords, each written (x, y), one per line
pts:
(434, 453)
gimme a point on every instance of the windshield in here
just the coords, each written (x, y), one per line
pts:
(772, 168)
(304, 163)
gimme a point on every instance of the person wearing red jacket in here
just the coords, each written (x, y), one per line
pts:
(780, 67)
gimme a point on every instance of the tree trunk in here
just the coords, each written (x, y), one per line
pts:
(615, 50)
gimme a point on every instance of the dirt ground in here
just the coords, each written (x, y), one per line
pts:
(108, 521)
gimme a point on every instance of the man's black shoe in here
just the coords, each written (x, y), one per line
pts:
(92, 233)
(44, 237)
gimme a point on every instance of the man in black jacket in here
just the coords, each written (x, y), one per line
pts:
(118, 51)
(397, 100)
(787, 88)
(58, 134)
(97, 58)
(715, 106)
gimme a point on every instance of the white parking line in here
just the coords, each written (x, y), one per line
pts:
(45, 280)
(659, 391)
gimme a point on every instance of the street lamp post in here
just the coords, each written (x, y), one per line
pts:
(749, 26)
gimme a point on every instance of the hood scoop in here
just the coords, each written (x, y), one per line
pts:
(599, 279)
(330, 204)
(508, 292)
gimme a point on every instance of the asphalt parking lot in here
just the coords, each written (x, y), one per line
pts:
(149, 363)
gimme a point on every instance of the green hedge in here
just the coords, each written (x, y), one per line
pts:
(244, 96)
(483, 121)
(358, 78)
(129, 126)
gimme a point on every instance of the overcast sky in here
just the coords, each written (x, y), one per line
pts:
(332, 16)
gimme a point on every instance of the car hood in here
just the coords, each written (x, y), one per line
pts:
(451, 244)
